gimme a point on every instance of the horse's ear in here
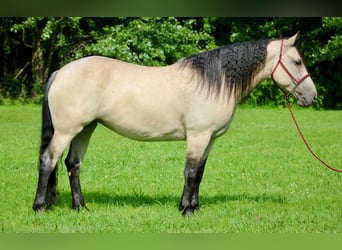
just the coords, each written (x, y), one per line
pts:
(292, 39)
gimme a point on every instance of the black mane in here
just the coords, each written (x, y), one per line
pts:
(232, 65)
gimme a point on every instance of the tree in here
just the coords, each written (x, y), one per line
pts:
(324, 55)
(11, 67)
(150, 41)
(44, 38)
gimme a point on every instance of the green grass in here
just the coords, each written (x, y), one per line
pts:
(259, 178)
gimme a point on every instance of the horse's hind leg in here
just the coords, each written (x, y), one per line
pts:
(46, 190)
(51, 193)
(45, 170)
(78, 148)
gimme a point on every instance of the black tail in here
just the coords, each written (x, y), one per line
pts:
(46, 137)
(47, 126)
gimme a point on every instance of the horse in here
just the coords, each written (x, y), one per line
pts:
(193, 99)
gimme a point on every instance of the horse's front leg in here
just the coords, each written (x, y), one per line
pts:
(193, 175)
(197, 153)
(198, 179)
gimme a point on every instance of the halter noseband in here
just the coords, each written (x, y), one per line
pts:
(280, 62)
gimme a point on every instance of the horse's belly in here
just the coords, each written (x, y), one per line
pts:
(144, 133)
(144, 126)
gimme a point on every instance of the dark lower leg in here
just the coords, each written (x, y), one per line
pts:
(193, 175)
(74, 167)
(51, 194)
(45, 171)
(194, 200)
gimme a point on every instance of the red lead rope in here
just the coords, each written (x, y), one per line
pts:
(297, 81)
(304, 140)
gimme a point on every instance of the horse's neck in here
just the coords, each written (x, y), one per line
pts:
(270, 62)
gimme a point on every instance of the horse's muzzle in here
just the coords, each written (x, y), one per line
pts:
(306, 100)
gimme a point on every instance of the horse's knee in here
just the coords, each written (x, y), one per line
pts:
(45, 160)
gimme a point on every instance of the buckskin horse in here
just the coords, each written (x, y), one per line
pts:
(193, 99)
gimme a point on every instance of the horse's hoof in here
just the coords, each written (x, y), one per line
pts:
(188, 211)
(79, 207)
(38, 208)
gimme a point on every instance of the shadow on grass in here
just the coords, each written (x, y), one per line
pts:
(141, 199)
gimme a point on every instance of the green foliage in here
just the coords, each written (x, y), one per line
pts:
(151, 41)
(31, 48)
(39, 45)
(56, 36)
(325, 58)
(266, 93)
(328, 41)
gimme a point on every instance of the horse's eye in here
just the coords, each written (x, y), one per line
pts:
(298, 62)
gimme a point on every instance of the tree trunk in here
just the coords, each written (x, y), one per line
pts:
(42, 57)
(38, 63)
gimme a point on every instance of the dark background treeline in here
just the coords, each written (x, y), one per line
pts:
(33, 47)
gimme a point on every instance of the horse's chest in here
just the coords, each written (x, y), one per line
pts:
(212, 116)
(223, 122)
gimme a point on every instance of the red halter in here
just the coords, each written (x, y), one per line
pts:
(280, 62)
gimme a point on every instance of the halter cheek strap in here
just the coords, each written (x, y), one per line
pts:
(280, 62)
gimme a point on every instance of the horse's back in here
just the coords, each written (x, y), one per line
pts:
(140, 102)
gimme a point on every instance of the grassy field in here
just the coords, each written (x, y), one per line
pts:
(259, 178)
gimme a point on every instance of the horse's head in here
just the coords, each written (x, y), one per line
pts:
(289, 71)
